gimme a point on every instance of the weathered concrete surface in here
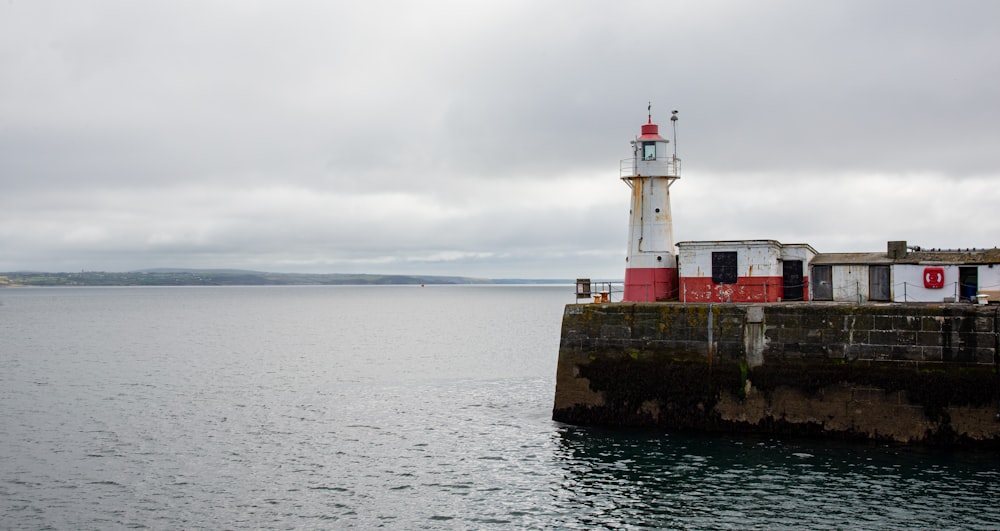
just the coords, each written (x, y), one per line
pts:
(893, 372)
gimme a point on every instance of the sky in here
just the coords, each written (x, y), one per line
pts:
(483, 138)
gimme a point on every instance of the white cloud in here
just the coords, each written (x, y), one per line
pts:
(483, 138)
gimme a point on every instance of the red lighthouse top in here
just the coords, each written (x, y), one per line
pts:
(650, 131)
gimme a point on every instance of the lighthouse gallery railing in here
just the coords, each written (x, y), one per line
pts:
(669, 167)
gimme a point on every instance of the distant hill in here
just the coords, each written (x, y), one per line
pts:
(236, 277)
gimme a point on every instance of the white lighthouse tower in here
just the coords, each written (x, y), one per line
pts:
(651, 265)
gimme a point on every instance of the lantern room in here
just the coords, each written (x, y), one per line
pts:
(651, 153)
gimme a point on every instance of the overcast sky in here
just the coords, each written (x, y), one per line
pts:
(484, 138)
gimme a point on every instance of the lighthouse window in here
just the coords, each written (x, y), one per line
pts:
(724, 267)
(648, 151)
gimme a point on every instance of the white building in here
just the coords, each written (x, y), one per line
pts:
(743, 271)
(903, 274)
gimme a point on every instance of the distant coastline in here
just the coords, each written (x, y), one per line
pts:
(235, 277)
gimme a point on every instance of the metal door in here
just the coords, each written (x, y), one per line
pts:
(791, 278)
(879, 286)
(822, 279)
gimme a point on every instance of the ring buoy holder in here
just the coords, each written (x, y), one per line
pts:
(933, 277)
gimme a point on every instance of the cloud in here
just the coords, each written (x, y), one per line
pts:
(483, 138)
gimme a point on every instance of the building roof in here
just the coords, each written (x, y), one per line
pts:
(743, 243)
(850, 258)
(935, 256)
(727, 243)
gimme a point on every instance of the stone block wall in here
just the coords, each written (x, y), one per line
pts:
(883, 332)
(901, 372)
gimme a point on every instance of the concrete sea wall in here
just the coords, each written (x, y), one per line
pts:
(888, 372)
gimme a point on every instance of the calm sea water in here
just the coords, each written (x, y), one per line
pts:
(394, 407)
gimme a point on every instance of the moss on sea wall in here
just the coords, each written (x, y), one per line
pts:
(887, 372)
(935, 388)
(688, 389)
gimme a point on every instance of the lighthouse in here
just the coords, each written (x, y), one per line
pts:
(651, 265)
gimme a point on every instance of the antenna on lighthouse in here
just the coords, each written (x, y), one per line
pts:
(649, 112)
(673, 120)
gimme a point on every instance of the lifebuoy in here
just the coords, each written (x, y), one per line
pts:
(933, 277)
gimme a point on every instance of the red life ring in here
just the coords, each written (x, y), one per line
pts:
(933, 277)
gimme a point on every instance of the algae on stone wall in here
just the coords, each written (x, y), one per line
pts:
(685, 392)
(692, 366)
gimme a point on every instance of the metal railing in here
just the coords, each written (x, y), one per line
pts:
(959, 289)
(599, 291)
(665, 167)
(608, 291)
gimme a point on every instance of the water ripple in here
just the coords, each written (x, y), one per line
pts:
(334, 408)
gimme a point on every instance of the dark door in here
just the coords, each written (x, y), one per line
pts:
(724, 267)
(822, 279)
(878, 283)
(968, 282)
(791, 277)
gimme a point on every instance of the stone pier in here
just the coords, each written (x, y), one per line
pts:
(889, 372)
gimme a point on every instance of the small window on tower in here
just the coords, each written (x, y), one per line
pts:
(648, 151)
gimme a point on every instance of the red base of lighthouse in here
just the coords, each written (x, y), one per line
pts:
(650, 284)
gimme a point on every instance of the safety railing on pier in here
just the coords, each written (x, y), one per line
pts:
(961, 292)
(599, 291)
(609, 291)
(745, 292)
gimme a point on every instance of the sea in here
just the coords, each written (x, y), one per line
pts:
(390, 407)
